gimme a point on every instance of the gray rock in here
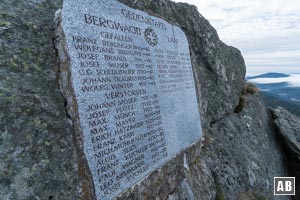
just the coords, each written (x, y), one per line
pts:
(41, 159)
(37, 152)
(246, 155)
(289, 128)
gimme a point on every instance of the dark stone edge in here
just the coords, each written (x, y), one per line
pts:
(64, 76)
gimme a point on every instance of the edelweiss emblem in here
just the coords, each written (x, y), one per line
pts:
(151, 36)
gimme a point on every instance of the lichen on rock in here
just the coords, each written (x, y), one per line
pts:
(37, 153)
(40, 154)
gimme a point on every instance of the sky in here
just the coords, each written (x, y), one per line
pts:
(266, 31)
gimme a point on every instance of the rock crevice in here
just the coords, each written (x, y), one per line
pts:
(288, 126)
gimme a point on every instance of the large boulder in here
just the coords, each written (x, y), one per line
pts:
(40, 156)
(246, 154)
(289, 128)
(37, 151)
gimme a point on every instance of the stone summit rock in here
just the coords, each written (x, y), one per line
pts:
(41, 159)
(132, 88)
(289, 128)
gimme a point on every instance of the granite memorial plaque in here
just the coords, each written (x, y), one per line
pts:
(132, 78)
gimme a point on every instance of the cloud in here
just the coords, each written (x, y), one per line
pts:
(266, 31)
(293, 80)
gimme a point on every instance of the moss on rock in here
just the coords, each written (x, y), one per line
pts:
(37, 152)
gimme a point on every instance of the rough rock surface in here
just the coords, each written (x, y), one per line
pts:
(38, 158)
(289, 128)
(37, 151)
(245, 154)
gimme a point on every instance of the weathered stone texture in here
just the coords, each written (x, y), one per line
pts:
(289, 128)
(245, 154)
(38, 159)
(37, 151)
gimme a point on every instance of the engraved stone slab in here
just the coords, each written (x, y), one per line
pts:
(133, 82)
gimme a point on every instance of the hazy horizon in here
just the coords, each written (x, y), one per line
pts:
(267, 32)
(261, 70)
(293, 80)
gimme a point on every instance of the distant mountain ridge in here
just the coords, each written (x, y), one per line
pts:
(269, 75)
(273, 101)
(278, 91)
